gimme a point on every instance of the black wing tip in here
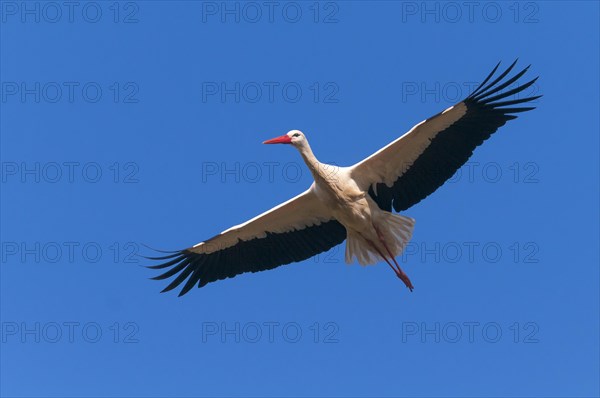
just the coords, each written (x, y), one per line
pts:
(160, 257)
(182, 263)
(167, 289)
(185, 291)
(172, 260)
(189, 285)
(484, 94)
(159, 250)
(483, 90)
(176, 262)
(158, 277)
(181, 293)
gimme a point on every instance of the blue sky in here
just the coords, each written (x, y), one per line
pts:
(137, 122)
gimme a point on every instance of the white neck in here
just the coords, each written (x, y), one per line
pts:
(316, 168)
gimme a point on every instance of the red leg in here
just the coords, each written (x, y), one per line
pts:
(399, 273)
(382, 256)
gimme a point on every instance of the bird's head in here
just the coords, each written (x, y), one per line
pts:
(294, 137)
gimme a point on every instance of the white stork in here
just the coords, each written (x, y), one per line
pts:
(354, 203)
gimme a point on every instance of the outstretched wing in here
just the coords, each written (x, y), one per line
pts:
(293, 231)
(409, 169)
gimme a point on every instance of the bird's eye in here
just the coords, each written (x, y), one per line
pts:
(296, 135)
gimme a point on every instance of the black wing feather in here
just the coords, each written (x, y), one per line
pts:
(451, 148)
(254, 255)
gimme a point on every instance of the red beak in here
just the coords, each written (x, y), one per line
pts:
(284, 139)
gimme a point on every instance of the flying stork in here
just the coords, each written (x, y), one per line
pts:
(354, 203)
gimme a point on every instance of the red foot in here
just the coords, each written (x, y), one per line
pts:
(399, 273)
(405, 279)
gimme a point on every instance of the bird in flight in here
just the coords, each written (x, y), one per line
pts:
(355, 203)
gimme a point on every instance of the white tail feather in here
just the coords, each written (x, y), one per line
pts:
(396, 230)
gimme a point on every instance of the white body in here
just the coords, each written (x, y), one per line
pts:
(352, 206)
